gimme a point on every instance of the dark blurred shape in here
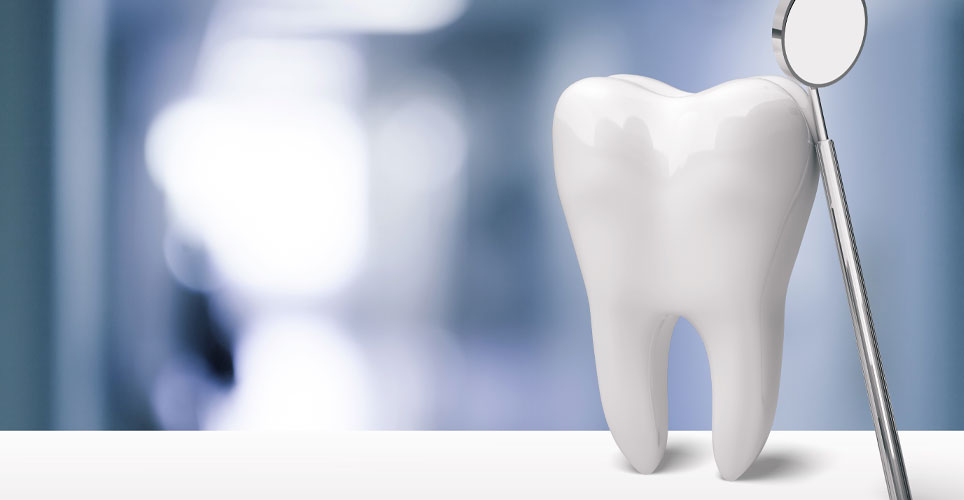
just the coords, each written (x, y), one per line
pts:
(202, 334)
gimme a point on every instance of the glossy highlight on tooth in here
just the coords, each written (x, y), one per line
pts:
(686, 205)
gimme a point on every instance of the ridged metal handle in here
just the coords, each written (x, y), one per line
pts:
(887, 439)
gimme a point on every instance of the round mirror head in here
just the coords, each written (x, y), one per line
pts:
(818, 41)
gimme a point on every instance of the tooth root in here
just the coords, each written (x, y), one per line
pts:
(632, 351)
(744, 355)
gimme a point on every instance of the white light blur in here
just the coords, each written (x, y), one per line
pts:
(265, 169)
(366, 16)
(270, 178)
(277, 195)
(294, 373)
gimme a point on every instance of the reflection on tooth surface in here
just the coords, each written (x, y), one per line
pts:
(686, 205)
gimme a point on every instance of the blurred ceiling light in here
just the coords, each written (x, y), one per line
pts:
(270, 178)
(295, 373)
(341, 16)
(275, 191)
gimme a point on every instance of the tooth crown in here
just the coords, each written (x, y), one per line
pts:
(686, 205)
(653, 179)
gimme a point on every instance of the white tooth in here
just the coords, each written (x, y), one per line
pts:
(688, 205)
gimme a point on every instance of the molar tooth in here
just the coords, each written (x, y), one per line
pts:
(687, 205)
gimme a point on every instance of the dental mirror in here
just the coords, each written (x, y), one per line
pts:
(816, 43)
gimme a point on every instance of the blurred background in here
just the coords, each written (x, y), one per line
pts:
(276, 214)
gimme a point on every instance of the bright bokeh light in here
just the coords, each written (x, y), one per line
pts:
(276, 191)
(265, 168)
(295, 373)
(265, 171)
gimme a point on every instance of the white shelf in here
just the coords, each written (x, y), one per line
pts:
(455, 465)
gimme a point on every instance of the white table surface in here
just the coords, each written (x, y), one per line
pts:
(455, 465)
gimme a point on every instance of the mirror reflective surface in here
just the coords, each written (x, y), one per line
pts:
(818, 41)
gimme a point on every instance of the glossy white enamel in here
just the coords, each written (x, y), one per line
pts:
(687, 205)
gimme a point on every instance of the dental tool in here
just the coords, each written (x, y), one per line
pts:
(817, 42)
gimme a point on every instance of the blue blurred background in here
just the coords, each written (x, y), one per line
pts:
(342, 214)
